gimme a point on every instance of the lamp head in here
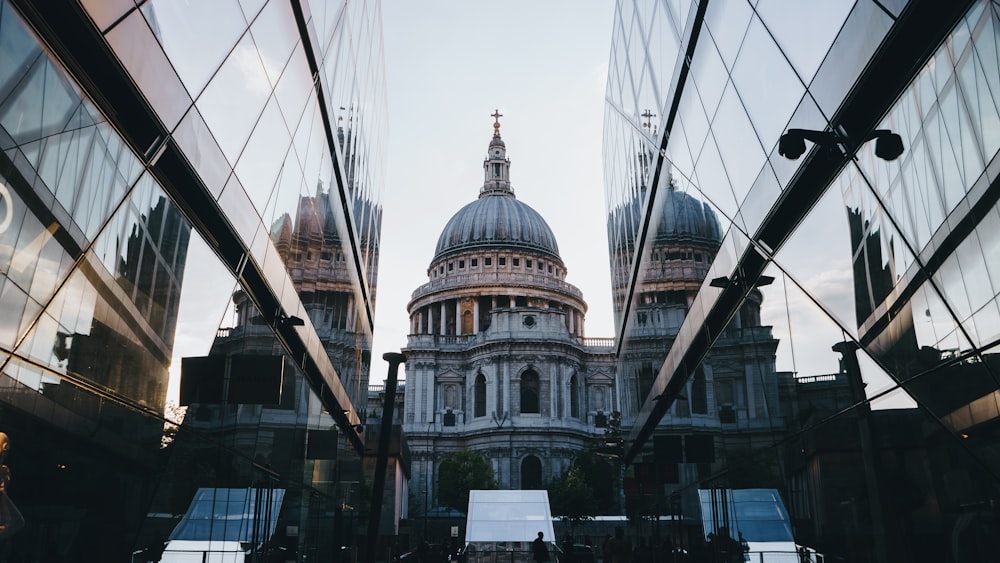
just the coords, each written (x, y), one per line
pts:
(791, 145)
(888, 146)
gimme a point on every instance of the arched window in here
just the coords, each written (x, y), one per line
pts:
(467, 327)
(531, 473)
(529, 392)
(480, 396)
(574, 398)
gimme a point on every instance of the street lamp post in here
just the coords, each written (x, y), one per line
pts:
(426, 508)
(382, 453)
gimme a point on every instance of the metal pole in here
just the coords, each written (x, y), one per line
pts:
(382, 455)
(869, 457)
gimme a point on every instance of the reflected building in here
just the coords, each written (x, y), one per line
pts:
(497, 357)
(734, 400)
(861, 276)
(148, 214)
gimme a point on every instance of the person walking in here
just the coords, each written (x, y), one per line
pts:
(620, 547)
(539, 550)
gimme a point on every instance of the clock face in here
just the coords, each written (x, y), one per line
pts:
(529, 321)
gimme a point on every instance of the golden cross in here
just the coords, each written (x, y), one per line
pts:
(496, 126)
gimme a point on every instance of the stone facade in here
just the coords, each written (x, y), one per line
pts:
(497, 358)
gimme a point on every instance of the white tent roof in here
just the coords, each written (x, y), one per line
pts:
(508, 516)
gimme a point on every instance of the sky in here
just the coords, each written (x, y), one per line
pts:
(449, 65)
(543, 65)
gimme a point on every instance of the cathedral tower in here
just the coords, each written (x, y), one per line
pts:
(497, 360)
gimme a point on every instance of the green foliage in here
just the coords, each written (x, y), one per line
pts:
(460, 473)
(571, 498)
(601, 475)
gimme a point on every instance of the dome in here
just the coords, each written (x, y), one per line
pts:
(684, 217)
(497, 220)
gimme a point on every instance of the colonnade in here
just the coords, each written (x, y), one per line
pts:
(444, 318)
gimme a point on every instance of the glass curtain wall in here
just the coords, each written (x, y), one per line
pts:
(186, 182)
(814, 327)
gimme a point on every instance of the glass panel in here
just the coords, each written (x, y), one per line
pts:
(106, 12)
(18, 51)
(712, 182)
(43, 103)
(739, 147)
(881, 255)
(261, 162)
(196, 37)
(763, 194)
(728, 24)
(695, 125)
(663, 45)
(804, 32)
(231, 117)
(979, 74)
(235, 203)
(709, 74)
(766, 84)
(19, 313)
(205, 309)
(275, 34)
(195, 139)
(880, 387)
(312, 149)
(156, 76)
(818, 256)
(805, 333)
(12, 220)
(295, 88)
(861, 35)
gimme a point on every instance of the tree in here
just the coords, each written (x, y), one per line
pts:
(572, 499)
(610, 448)
(601, 476)
(460, 473)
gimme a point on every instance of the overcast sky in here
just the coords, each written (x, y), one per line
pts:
(449, 65)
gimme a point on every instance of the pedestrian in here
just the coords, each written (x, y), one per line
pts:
(539, 549)
(620, 547)
(423, 551)
(567, 547)
(606, 549)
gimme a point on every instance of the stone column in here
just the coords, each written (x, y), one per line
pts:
(506, 387)
(443, 329)
(555, 386)
(475, 316)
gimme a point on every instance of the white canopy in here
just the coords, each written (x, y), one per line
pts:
(508, 516)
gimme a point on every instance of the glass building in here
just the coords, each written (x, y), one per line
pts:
(199, 185)
(803, 222)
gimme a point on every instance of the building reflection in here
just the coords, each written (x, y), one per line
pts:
(136, 202)
(858, 294)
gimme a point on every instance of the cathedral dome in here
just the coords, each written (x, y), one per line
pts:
(497, 220)
(684, 217)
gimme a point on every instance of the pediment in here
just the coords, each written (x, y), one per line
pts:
(450, 375)
(599, 376)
